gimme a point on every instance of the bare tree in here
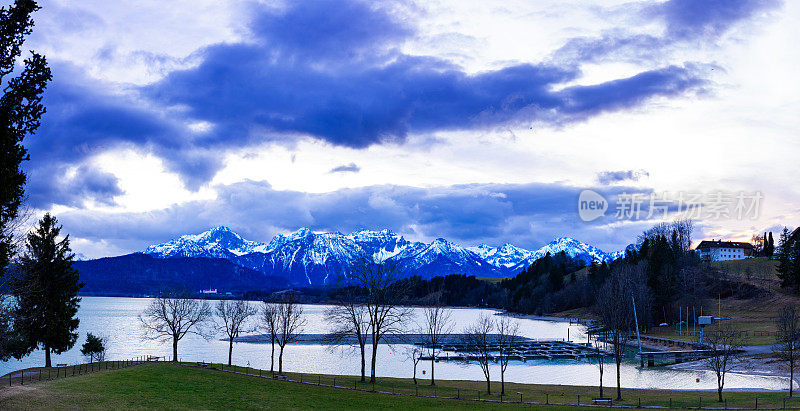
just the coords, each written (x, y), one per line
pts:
(230, 319)
(507, 336)
(377, 280)
(600, 365)
(414, 353)
(437, 323)
(290, 323)
(614, 308)
(725, 346)
(349, 319)
(269, 323)
(172, 315)
(788, 339)
(477, 339)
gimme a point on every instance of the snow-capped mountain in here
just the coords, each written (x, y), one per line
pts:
(621, 253)
(306, 257)
(443, 257)
(506, 256)
(219, 242)
(573, 248)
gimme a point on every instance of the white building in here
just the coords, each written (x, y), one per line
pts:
(724, 250)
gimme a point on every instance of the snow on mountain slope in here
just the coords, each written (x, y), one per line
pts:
(219, 242)
(573, 248)
(309, 258)
(505, 256)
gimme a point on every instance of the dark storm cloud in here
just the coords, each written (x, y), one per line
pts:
(71, 188)
(332, 70)
(685, 21)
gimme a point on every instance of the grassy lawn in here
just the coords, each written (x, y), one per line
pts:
(167, 386)
(164, 385)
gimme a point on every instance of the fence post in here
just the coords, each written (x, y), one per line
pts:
(756, 402)
(458, 393)
(640, 402)
(670, 402)
(701, 403)
(547, 398)
(319, 380)
(579, 399)
(520, 398)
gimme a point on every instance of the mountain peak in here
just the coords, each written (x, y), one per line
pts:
(302, 232)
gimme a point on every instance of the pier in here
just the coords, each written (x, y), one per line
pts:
(672, 357)
(523, 350)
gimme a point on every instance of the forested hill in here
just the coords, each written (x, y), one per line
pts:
(141, 274)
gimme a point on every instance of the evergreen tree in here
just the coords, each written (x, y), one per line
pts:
(20, 112)
(45, 313)
(771, 245)
(784, 268)
(93, 348)
(794, 262)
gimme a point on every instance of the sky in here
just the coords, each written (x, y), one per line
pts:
(476, 121)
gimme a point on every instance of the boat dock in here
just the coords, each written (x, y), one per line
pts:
(520, 351)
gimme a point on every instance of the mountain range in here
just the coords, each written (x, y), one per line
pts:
(312, 259)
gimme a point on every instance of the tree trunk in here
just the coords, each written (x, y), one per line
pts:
(488, 386)
(619, 386)
(47, 362)
(230, 351)
(502, 381)
(433, 356)
(415, 374)
(374, 358)
(280, 361)
(791, 377)
(719, 387)
(174, 349)
(601, 381)
(364, 362)
(272, 358)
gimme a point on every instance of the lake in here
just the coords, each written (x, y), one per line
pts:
(116, 319)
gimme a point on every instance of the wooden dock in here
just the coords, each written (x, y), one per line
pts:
(672, 357)
(521, 351)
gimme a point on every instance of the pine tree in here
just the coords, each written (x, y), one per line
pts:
(784, 268)
(794, 262)
(20, 112)
(46, 312)
(771, 244)
(93, 348)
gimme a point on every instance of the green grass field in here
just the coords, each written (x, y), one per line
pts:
(169, 386)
